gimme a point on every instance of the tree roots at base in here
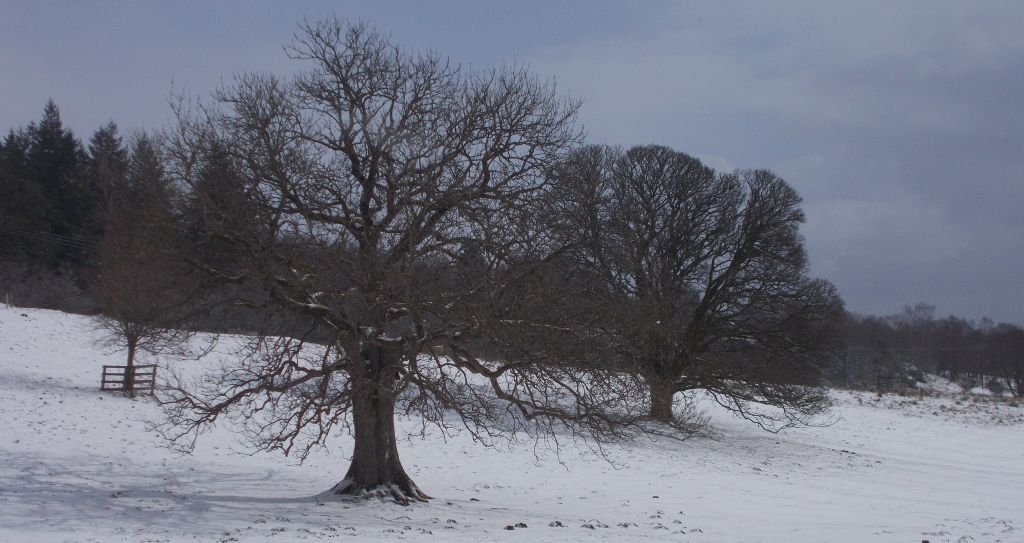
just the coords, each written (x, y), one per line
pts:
(402, 492)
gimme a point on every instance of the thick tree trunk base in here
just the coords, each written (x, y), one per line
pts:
(403, 492)
(662, 395)
(376, 470)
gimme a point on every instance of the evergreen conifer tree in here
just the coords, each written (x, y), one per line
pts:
(56, 159)
(23, 208)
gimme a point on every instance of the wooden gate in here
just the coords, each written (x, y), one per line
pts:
(143, 378)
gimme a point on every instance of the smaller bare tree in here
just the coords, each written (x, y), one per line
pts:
(142, 286)
(1006, 356)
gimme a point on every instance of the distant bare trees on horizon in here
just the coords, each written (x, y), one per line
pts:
(903, 346)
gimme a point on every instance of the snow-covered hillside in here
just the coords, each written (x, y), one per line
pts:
(79, 465)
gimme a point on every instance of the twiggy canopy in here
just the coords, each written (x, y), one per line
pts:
(383, 203)
(708, 275)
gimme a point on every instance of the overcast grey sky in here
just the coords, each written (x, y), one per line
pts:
(901, 123)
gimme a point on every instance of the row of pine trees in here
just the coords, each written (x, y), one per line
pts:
(57, 195)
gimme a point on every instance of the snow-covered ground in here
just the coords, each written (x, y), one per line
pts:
(79, 465)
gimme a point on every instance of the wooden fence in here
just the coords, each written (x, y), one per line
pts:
(143, 378)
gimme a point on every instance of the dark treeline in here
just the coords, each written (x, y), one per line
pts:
(57, 198)
(72, 211)
(79, 220)
(895, 350)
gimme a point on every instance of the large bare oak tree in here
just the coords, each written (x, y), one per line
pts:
(382, 206)
(703, 277)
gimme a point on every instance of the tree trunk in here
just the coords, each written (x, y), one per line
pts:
(376, 468)
(662, 392)
(129, 370)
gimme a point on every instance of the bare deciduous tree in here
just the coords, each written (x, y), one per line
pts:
(385, 207)
(144, 289)
(704, 277)
(1006, 356)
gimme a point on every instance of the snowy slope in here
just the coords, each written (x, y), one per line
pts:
(78, 465)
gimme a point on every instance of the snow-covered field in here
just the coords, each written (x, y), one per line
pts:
(78, 465)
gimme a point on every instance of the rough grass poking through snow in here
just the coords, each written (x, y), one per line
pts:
(78, 465)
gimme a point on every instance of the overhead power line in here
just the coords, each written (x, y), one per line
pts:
(915, 349)
(71, 241)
